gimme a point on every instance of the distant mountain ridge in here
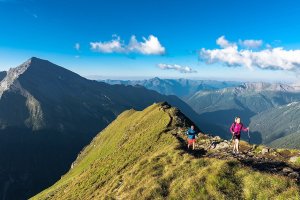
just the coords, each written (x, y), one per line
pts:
(268, 94)
(219, 107)
(263, 86)
(280, 126)
(219, 102)
(49, 114)
(179, 87)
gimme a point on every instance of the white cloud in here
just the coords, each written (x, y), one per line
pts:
(181, 69)
(222, 42)
(270, 58)
(149, 46)
(251, 44)
(113, 46)
(77, 46)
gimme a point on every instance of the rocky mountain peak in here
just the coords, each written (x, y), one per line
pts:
(156, 80)
(263, 86)
(12, 75)
(38, 68)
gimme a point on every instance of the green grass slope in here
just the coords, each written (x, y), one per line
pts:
(291, 141)
(279, 127)
(141, 156)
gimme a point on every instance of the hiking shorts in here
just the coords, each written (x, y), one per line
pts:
(191, 141)
(237, 136)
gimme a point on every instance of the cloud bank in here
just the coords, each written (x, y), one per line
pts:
(179, 68)
(234, 55)
(149, 46)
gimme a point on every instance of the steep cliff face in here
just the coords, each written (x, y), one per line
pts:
(23, 108)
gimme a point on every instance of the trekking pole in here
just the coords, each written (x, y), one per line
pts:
(248, 136)
(232, 140)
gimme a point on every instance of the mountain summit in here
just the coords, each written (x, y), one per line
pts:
(27, 87)
(143, 155)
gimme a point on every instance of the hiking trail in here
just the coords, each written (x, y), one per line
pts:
(257, 157)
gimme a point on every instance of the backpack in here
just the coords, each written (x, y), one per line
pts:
(188, 133)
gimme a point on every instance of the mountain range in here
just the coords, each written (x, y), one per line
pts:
(218, 102)
(48, 114)
(220, 107)
(182, 88)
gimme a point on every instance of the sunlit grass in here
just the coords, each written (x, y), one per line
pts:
(137, 158)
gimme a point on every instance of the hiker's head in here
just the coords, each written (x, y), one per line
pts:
(192, 127)
(238, 120)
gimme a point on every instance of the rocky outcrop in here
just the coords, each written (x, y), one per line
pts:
(33, 118)
(12, 75)
(258, 157)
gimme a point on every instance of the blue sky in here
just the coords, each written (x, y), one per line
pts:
(185, 30)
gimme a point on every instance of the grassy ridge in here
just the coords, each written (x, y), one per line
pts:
(138, 157)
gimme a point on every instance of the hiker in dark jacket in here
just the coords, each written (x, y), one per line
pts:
(191, 136)
(236, 128)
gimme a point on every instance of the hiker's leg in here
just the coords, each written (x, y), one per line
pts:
(237, 144)
(234, 145)
(193, 145)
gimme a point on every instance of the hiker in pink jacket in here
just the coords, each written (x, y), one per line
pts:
(236, 129)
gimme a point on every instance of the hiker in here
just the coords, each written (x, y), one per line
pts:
(191, 136)
(236, 129)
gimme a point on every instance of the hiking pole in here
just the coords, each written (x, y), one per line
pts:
(248, 136)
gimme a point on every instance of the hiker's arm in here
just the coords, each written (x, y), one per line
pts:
(245, 128)
(187, 132)
(231, 129)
